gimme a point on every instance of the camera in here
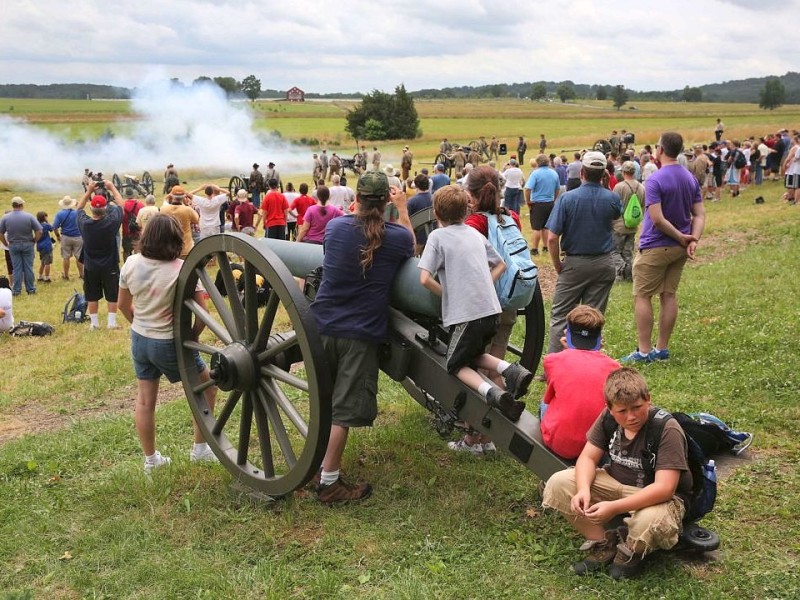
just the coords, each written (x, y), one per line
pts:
(99, 182)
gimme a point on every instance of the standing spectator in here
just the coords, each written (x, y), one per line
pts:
(648, 167)
(272, 173)
(300, 205)
(186, 215)
(147, 211)
(583, 219)
(574, 172)
(541, 191)
(733, 175)
(560, 166)
(44, 245)
(392, 175)
(624, 236)
(244, 214)
(291, 216)
(715, 182)
(362, 257)
(70, 236)
(208, 206)
(791, 167)
(439, 179)
(274, 209)
(325, 163)
(341, 196)
(522, 148)
(719, 129)
(376, 159)
(130, 227)
(6, 305)
(405, 162)
(761, 164)
(418, 202)
(316, 218)
(100, 251)
(673, 223)
(542, 143)
(699, 165)
(19, 231)
(515, 181)
(256, 184)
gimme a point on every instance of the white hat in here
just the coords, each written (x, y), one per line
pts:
(67, 202)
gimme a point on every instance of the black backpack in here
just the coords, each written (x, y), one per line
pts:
(739, 160)
(704, 479)
(76, 308)
(31, 328)
(133, 226)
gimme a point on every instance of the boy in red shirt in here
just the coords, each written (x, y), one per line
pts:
(273, 211)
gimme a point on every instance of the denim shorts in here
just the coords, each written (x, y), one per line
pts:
(153, 358)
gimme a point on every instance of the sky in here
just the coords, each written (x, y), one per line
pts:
(360, 45)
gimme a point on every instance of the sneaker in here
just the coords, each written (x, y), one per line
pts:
(656, 354)
(158, 462)
(601, 554)
(636, 357)
(534, 252)
(517, 379)
(340, 491)
(462, 446)
(627, 564)
(489, 449)
(205, 454)
(505, 403)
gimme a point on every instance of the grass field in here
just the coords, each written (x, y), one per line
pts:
(78, 519)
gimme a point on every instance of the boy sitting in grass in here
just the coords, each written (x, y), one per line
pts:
(575, 380)
(590, 496)
(466, 266)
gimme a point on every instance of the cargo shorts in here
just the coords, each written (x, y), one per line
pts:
(658, 270)
(354, 366)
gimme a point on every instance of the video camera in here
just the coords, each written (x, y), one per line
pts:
(99, 182)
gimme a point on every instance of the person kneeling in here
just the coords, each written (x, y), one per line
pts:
(590, 496)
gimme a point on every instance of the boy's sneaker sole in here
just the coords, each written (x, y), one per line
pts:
(505, 403)
(517, 379)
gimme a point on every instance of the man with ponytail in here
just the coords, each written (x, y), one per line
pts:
(362, 256)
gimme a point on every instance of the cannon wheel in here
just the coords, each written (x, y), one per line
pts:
(147, 182)
(603, 146)
(473, 145)
(273, 417)
(235, 184)
(441, 159)
(116, 181)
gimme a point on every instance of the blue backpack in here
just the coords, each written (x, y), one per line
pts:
(76, 309)
(516, 285)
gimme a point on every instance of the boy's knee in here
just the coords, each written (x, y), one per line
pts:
(655, 527)
(559, 490)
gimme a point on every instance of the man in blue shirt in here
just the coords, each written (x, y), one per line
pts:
(19, 230)
(541, 191)
(65, 226)
(439, 179)
(583, 220)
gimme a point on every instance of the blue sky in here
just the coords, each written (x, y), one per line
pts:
(360, 45)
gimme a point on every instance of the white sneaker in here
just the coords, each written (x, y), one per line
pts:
(489, 448)
(206, 454)
(462, 446)
(158, 461)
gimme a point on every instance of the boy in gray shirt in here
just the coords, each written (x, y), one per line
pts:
(466, 266)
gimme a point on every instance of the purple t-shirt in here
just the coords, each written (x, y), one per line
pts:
(317, 221)
(677, 190)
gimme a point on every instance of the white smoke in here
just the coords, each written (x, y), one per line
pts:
(194, 127)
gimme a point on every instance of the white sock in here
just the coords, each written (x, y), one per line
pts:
(502, 366)
(152, 458)
(112, 319)
(483, 389)
(94, 320)
(328, 477)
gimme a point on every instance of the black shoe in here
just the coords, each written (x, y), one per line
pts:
(340, 492)
(534, 252)
(517, 379)
(601, 554)
(505, 403)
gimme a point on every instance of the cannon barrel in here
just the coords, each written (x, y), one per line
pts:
(408, 294)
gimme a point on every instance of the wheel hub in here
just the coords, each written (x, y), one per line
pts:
(235, 367)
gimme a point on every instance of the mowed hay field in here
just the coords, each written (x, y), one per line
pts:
(78, 519)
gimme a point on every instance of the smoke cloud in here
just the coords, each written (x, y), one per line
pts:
(194, 127)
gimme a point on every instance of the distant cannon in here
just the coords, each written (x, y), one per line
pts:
(142, 186)
(238, 182)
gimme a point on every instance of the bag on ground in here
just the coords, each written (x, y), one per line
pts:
(76, 308)
(31, 328)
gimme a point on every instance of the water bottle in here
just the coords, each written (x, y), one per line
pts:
(710, 471)
(78, 315)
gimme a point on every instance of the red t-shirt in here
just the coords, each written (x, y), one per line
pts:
(480, 222)
(246, 211)
(301, 204)
(274, 207)
(574, 395)
(130, 206)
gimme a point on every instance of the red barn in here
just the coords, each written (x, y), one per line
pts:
(296, 95)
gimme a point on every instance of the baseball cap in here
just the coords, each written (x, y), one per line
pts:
(583, 338)
(99, 202)
(594, 160)
(17, 201)
(177, 190)
(373, 183)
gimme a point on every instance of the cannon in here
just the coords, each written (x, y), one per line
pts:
(238, 182)
(141, 185)
(625, 141)
(271, 425)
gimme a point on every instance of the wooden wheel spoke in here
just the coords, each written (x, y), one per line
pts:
(276, 349)
(245, 426)
(287, 406)
(278, 427)
(210, 322)
(231, 290)
(219, 303)
(200, 347)
(266, 321)
(226, 412)
(281, 375)
(201, 387)
(264, 442)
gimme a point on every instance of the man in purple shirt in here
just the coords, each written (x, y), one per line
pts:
(673, 223)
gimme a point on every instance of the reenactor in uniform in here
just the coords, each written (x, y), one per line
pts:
(522, 147)
(362, 159)
(334, 165)
(376, 159)
(272, 173)
(445, 147)
(256, 185)
(170, 178)
(494, 146)
(406, 162)
(323, 160)
(459, 159)
(474, 158)
(483, 148)
(316, 174)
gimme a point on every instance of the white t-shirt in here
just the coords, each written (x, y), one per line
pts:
(764, 150)
(152, 284)
(794, 163)
(6, 322)
(291, 217)
(515, 178)
(209, 210)
(341, 196)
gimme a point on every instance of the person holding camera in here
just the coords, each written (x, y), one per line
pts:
(100, 250)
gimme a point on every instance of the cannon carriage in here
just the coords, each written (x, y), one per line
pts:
(238, 182)
(140, 185)
(625, 141)
(271, 425)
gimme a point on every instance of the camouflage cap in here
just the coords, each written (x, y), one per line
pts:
(373, 183)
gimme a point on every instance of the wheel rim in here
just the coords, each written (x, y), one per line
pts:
(236, 183)
(273, 410)
(116, 181)
(147, 182)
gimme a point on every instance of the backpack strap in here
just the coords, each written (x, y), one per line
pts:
(656, 422)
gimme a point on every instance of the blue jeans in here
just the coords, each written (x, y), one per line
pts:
(512, 199)
(759, 175)
(22, 262)
(154, 357)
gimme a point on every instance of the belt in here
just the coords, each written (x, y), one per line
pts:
(588, 255)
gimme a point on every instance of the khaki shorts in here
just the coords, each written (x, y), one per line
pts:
(354, 366)
(658, 270)
(656, 526)
(71, 246)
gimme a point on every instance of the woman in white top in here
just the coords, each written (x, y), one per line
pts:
(146, 292)
(6, 315)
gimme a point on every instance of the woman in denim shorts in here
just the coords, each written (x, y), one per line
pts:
(146, 293)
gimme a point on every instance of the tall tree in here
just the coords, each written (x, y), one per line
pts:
(692, 94)
(602, 92)
(773, 95)
(251, 86)
(202, 79)
(384, 116)
(228, 84)
(538, 91)
(620, 96)
(565, 91)
(406, 119)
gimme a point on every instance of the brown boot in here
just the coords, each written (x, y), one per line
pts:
(341, 491)
(601, 554)
(627, 563)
